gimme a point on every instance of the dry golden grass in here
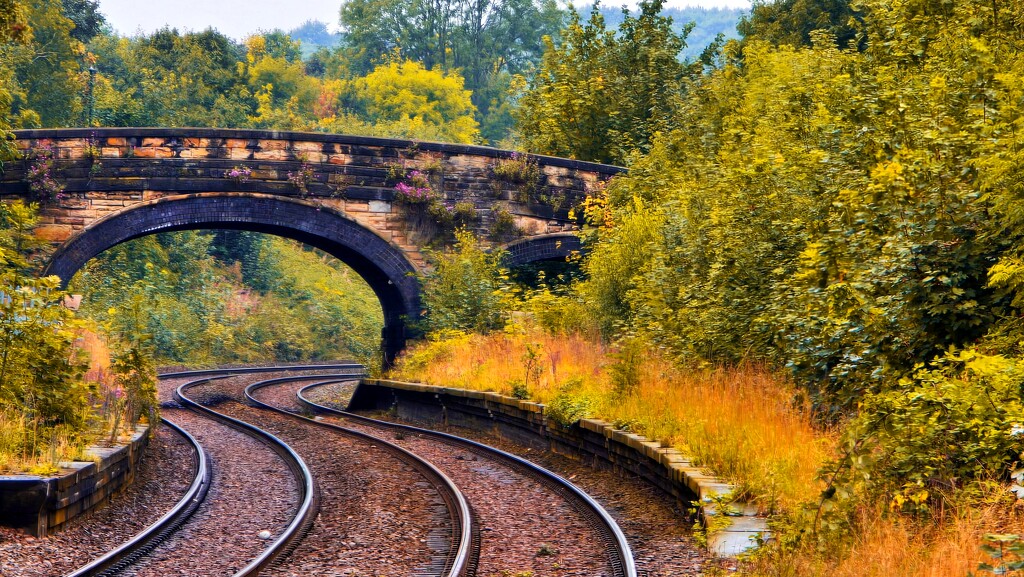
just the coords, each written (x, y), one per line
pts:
(741, 423)
(887, 546)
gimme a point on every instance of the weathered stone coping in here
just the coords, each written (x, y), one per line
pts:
(43, 505)
(590, 440)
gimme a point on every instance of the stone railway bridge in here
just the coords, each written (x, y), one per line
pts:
(334, 192)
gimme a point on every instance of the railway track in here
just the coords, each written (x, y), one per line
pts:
(493, 513)
(390, 513)
(145, 541)
(537, 521)
(169, 538)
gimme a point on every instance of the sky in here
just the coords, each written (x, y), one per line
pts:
(239, 18)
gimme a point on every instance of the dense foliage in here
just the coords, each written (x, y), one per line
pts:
(467, 288)
(600, 95)
(49, 406)
(232, 297)
(849, 213)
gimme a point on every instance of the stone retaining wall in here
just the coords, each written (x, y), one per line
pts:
(40, 506)
(590, 441)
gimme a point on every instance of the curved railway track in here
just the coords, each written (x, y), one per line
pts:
(144, 541)
(379, 536)
(479, 468)
(478, 540)
(309, 506)
(124, 559)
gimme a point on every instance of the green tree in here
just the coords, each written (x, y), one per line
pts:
(14, 30)
(86, 17)
(466, 290)
(40, 369)
(601, 95)
(792, 21)
(170, 79)
(486, 41)
(48, 78)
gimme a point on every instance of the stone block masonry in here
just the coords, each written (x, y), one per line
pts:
(107, 170)
(333, 192)
(43, 505)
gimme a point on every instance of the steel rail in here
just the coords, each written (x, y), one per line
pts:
(146, 540)
(621, 560)
(308, 509)
(360, 370)
(461, 561)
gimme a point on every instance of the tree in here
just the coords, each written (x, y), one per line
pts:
(405, 94)
(792, 21)
(565, 109)
(601, 96)
(86, 17)
(171, 79)
(40, 370)
(14, 22)
(14, 30)
(485, 40)
(464, 291)
(48, 77)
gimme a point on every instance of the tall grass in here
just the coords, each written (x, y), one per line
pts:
(25, 447)
(886, 545)
(744, 424)
(741, 423)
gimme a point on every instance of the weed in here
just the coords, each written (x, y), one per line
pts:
(41, 178)
(739, 422)
(717, 509)
(520, 170)
(570, 404)
(547, 550)
(520, 390)
(532, 363)
(1006, 553)
(504, 227)
(240, 174)
(301, 178)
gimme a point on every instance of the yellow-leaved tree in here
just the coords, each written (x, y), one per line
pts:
(405, 99)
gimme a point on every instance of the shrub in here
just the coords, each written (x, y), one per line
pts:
(504, 227)
(570, 404)
(467, 288)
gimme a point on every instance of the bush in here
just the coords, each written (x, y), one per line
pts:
(957, 420)
(570, 404)
(467, 290)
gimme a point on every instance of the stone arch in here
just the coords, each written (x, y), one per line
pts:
(544, 247)
(384, 266)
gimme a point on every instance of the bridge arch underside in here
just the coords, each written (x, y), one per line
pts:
(384, 267)
(541, 248)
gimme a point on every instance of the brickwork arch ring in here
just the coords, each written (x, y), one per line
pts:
(557, 246)
(384, 267)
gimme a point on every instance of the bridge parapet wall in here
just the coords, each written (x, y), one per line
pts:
(106, 171)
